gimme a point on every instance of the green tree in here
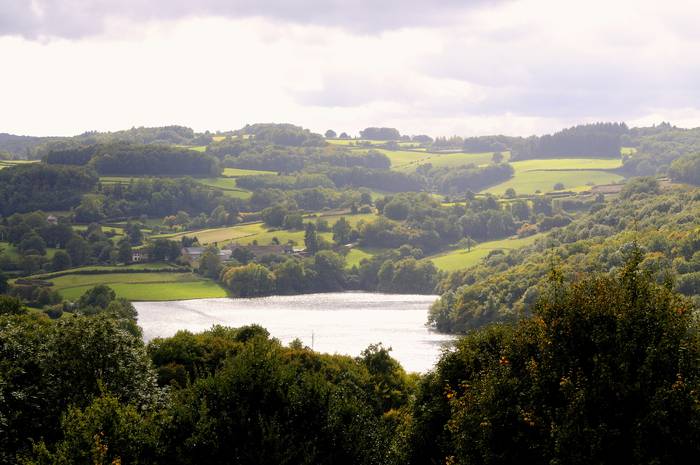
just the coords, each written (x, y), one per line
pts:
(341, 231)
(124, 254)
(251, 280)
(32, 242)
(311, 239)
(60, 261)
(99, 296)
(605, 372)
(330, 271)
(11, 306)
(77, 248)
(210, 263)
(4, 285)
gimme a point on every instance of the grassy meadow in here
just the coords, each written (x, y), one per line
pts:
(460, 259)
(576, 174)
(141, 286)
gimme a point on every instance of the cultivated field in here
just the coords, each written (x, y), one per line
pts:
(461, 259)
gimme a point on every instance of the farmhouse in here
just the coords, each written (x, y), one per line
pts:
(193, 254)
(139, 255)
(261, 250)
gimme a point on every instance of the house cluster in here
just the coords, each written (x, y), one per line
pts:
(193, 254)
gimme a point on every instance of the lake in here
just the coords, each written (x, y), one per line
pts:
(344, 323)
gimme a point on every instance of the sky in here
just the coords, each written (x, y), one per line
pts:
(445, 67)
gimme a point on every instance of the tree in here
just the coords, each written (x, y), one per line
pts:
(77, 248)
(510, 193)
(4, 285)
(330, 271)
(274, 216)
(11, 306)
(32, 242)
(311, 239)
(606, 371)
(559, 186)
(99, 296)
(210, 263)
(330, 134)
(124, 255)
(251, 280)
(497, 157)
(60, 261)
(164, 249)
(397, 209)
(341, 231)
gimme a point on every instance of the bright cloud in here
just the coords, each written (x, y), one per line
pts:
(449, 67)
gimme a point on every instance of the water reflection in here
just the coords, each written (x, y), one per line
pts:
(344, 323)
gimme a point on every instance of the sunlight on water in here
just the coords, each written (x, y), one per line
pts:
(344, 323)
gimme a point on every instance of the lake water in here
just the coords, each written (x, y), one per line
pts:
(344, 323)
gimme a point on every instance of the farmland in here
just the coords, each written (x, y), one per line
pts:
(460, 259)
(246, 233)
(141, 286)
(541, 175)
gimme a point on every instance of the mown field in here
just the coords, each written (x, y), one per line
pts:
(246, 233)
(239, 172)
(358, 142)
(141, 286)
(8, 163)
(541, 175)
(461, 258)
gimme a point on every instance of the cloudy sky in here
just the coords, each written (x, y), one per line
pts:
(442, 67)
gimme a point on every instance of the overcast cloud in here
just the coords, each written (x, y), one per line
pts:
(442, 67)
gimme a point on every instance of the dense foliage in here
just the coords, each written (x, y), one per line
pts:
(505, 286)
(37, 186)
(607, 371)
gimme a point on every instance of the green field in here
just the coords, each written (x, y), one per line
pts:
(220, 235)
(238, 172)
(141, 286)
(575, 173)
(8, 163)
(357, 254)
(452, 160)
(461, 259)
(246, 233)
(628, 150)
(228, 185)
(358, 142)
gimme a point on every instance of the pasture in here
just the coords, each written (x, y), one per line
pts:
(239, 172)
(452, 160)
(355, 142)
(246, 233)
(461, 259)
(141, 286)
(575, 174)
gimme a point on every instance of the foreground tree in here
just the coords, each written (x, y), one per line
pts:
(607, 371)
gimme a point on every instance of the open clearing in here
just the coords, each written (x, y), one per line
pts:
(357, 142)
(9, 163)
(246, 233)
(141, 286)
(239, 172)
(461, 259)
(409, 160)
(541, 175)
